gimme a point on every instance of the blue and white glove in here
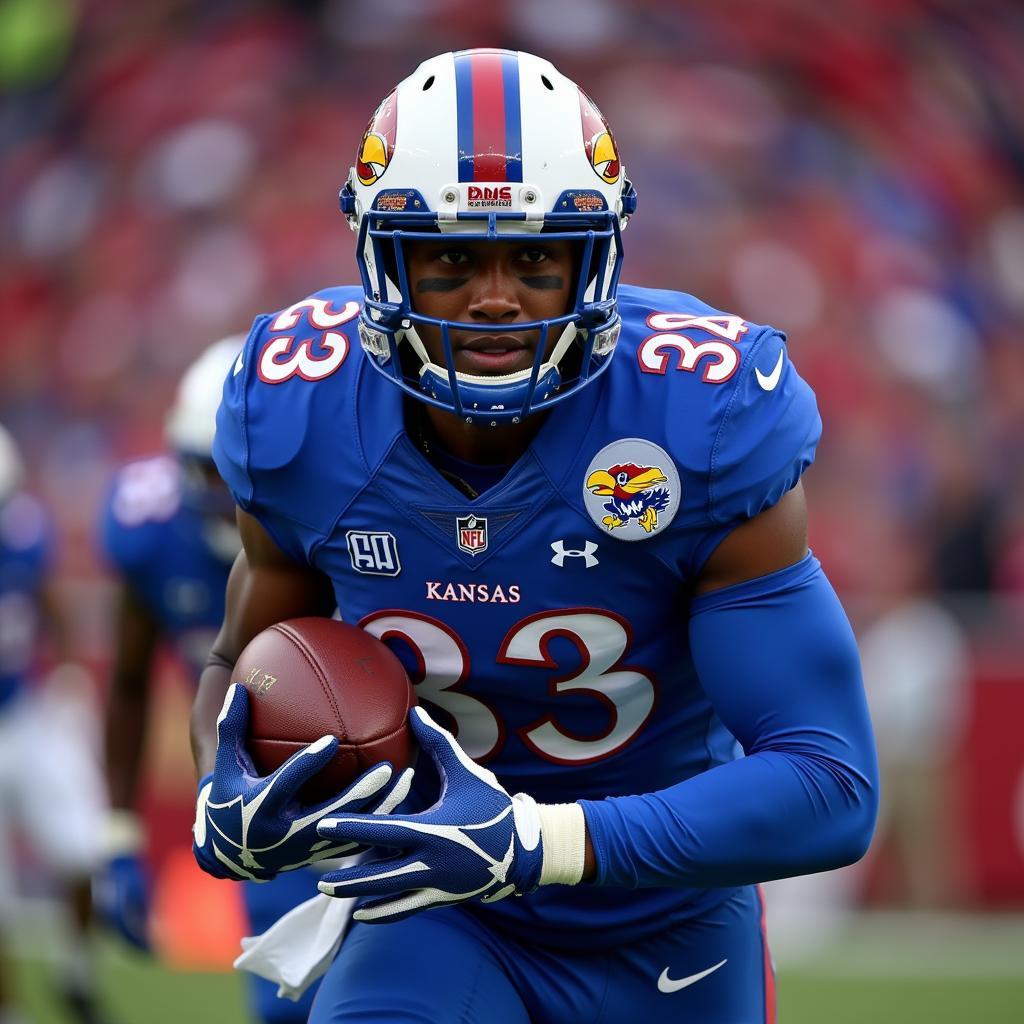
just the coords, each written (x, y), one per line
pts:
(121, 889)
(252, 827)
(476, 842)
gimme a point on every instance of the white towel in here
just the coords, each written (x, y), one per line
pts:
(299, 947)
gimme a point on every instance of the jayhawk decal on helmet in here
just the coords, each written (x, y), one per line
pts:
(597, 138)
(378, 142)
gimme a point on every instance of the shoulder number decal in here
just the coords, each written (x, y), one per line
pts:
(602, 639)
(721, 357)
(281, 360)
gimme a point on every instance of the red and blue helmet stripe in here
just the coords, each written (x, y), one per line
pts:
(490, 132)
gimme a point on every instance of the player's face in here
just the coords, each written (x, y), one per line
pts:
(490, 283)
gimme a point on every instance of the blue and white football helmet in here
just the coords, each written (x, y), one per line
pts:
(192, 421)
(189, 430)
(487, 145)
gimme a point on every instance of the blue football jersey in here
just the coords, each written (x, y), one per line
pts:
(26, 539)
(157, 542)
(544, 621)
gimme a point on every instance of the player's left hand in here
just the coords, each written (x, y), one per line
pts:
(476, 842)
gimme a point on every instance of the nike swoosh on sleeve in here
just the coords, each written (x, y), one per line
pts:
(238, 363)
(769, 381)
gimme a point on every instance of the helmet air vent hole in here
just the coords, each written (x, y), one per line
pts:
(428, 83)
(547, 82)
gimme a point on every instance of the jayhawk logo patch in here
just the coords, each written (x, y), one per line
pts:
(632, 489)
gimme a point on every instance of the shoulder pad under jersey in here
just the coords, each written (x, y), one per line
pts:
(287, 398)
(738, 419)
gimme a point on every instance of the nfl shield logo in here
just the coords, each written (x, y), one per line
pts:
(471, 532)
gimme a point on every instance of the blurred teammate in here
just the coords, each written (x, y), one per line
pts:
(168, 529)
(50, 785)
(916, 675)
(575, 511)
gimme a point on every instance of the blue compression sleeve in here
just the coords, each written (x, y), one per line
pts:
(778, 660)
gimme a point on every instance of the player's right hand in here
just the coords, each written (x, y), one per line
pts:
(253, 827)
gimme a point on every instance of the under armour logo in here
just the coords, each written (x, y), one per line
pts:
(562, 553)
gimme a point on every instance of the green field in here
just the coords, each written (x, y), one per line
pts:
(885, 970)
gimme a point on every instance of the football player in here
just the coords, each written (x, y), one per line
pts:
(50, 783)
(574, 509)
(168, 529)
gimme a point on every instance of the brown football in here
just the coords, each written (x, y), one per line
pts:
(312, 677)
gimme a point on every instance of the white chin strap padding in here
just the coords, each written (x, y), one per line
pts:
(410, 334)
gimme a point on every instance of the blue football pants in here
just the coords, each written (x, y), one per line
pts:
(265, 902)
(448, 967)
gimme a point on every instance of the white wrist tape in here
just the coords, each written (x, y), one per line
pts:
(122, 833)
(563, 831)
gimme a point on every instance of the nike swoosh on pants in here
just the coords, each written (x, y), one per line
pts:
(668, 985)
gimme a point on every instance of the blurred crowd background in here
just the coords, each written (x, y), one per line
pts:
(852, 172)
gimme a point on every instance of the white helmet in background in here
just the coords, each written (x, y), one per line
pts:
(192, 421)
(488, 145)
(12, 469)
(189, 430)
